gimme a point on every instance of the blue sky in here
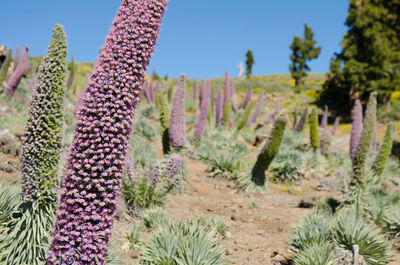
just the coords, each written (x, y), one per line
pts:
(200, 38)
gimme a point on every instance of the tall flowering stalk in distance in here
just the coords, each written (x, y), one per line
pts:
(96, 161)
(384, 152)
(204, 109)
(5, 66)
(44, 127)
(218, 107)
(270, 116)
(194, 94)
(335, 126)
(314, 133)
(227, 90)
(356, 129)
(164, 113)
(16, 58)
(247, 99)
(16, 77)
(201, 92)
(324, 120)
(227, 114)
(302, 121)
(365, 142)
(257, 111)
(269, 150)
(232, 96)
(295, 116)
(177, 127)
(245, 117)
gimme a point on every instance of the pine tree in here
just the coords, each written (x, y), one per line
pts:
(303, 50)
(369, 60)
(249, 62)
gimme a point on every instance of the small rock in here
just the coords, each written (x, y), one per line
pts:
(235, 217)
(7, 167)
(307, 202)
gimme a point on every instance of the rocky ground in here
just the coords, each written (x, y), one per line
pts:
(259, 225)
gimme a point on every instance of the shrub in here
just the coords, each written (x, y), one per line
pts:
(287, 167)
(143, 128)
(154, 217)
(96, 161)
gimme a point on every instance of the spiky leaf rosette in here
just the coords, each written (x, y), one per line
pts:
(5, 66)
(16, 77)
(302, 121)
(177, 129)
(314, 133)
(91, 186)
(384, 152)
(268, 151)
(164, 113)
(204, 109)
(41, 148)
(356, 129)
(365, 141)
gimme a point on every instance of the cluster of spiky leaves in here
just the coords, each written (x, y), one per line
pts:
(345, 229)
(41, 148)
(365, 142)
(177, 126)
(5, 66)
(384, 152)
(314, 133)
(96, 161)
(268, 151)
(178, 243)
(19, 72)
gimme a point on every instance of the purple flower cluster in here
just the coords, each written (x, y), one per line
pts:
(96, 161)
(177, 126)
(43, 129)
(205, 106)
(356, 129)
(155, 176)
(130, 170)
(172, 170)
(18, 74)
(324, 120)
